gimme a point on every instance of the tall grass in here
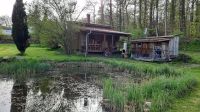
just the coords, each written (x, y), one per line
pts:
(23, 68)
(144, 69)
(116, 97)
(161, 91)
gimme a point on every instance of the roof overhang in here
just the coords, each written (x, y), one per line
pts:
(151, 40)
(107, 31)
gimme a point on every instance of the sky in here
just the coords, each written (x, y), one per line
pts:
(6, 6)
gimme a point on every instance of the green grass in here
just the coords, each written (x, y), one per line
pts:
(37, 53)
(191, 103)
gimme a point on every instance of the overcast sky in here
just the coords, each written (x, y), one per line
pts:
(6, 6)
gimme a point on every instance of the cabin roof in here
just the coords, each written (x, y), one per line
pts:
(151, 40)
(95, 25)
(105, 30)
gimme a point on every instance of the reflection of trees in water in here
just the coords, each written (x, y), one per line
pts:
(62, 94)
(18, 97)
(56, 94)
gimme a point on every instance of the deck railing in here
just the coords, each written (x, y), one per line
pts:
(94, 48)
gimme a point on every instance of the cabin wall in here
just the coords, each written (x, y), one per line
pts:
(152, 54)
(150, 51)
(165, 50)
(174, 47)
(82, 41)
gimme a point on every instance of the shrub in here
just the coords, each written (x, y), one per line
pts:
(183, 58)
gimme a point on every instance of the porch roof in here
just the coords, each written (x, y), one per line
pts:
(106, 31)
(151, 40)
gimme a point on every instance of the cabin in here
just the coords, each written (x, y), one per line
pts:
(96, 38)
(163, 48)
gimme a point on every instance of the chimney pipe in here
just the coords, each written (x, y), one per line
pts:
(88, 18)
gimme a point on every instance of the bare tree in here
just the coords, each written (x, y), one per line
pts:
(6, 21)
(92, 6)
(63, 15)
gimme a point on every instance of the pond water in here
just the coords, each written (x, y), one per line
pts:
(50, 94)
(67, 87)
(58, 91)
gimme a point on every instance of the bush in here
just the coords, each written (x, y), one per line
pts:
(190, 45)
(183, 58)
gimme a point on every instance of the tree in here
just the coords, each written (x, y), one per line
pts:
(58, 22)
(92, 6)
(5, 20)
(172, 15)
(197, 20)
(35, 20)
(182, 16)
(140, 14)
(19, 28)
(111, 13)
(102, 11)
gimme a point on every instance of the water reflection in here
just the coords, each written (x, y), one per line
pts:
(66, 88)
(5, 94)
(54, 94)
(18, 97)
(64, 94)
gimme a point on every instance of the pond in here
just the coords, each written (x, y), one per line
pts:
(67, 87)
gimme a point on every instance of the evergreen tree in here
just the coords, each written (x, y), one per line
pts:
(19, 28)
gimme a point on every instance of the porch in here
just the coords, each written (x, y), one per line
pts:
(98, 43)
(99, 40)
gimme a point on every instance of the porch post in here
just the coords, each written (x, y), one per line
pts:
(86, 42)
(112, 44)
(86, 45)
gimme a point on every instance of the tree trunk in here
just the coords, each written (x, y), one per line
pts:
(134, 15)
(182, 17)
(145, 14)
(120, 16)
(140, 14)
(111, 15)
(192, 11)
(102, 12)
(166, 13)
(173, 15)
(157, 11)
(151, 15)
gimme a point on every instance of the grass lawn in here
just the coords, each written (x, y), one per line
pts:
(35, 52)
(190, 103)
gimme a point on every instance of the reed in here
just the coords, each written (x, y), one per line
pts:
(161, 91)
(23, 68)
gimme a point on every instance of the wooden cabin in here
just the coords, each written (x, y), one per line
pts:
(96, 38)
(155, 48)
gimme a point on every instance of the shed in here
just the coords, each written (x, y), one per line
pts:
(162, 48)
